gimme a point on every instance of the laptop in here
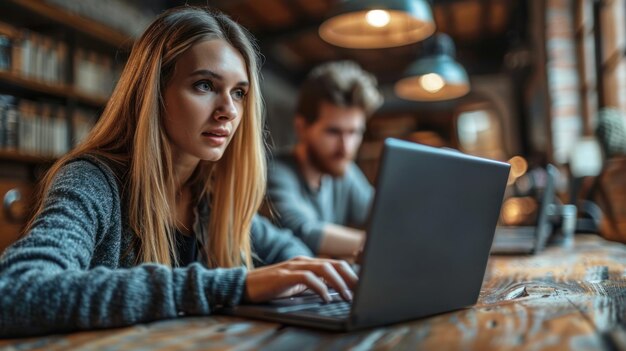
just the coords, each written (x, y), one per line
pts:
(530, 239)
(429, 233)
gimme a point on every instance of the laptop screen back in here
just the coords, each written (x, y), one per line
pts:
(431, 228)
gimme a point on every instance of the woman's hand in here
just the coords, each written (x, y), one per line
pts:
(295, 275)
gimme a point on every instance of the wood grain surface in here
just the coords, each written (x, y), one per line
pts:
(561, 299)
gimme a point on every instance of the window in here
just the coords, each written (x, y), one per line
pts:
(479, 132)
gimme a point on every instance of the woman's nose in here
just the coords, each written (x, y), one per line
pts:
(226, 108)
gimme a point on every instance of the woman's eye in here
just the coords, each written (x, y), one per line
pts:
(204, 86)
(239, 94)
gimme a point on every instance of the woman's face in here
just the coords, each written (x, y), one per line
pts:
(204, 100)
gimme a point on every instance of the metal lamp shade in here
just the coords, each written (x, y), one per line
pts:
(455, 80)
(408, 21)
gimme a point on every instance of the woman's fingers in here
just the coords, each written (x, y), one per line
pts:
(329, 273)
(314, 283)
(293, 290)
(337, 274)
(346, 272)
(275, 281)
(279, 280)
(342, 267)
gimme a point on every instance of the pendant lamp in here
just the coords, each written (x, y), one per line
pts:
(374, 24)
(436, 75)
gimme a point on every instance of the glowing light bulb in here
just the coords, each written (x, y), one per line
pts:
(519, 166)
(377, 18)
(432, 82)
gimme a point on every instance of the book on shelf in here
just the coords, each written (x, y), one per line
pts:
(8, 123)
(7, 33)
(40, 128)
(38, 57)
(5, 53)
(94, 73)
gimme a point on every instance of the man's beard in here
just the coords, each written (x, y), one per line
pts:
(326, 165)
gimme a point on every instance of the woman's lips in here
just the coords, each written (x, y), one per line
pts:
(214, 139)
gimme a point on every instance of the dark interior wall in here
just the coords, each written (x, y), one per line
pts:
(280, 102)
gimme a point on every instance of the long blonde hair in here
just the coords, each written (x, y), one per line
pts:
(130, 133)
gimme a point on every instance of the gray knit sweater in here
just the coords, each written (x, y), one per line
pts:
(73, 269)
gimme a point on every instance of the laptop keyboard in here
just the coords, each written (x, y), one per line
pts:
(310, 304)
(336, 309)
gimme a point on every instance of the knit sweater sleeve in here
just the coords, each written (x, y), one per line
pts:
(50, 283)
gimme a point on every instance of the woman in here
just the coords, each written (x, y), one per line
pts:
(153, 216)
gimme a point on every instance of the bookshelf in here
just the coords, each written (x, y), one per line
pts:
(57, 69)
(72, 21)
(56, 65)
(61, 91)
(16, 156)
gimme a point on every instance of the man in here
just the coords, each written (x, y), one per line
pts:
(315, 189)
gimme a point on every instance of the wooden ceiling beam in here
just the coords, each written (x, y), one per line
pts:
(451, 25)
(296, 9)
(286, 34)
(485, 17)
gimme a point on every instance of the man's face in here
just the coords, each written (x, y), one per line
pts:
(334, 138)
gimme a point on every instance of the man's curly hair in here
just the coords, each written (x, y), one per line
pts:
(341, 83)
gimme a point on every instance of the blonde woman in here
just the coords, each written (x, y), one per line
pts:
(153, 216)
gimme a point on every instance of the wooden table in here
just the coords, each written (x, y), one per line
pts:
(561, 299)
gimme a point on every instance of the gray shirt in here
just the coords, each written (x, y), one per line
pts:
(343, 200)
(75, 268)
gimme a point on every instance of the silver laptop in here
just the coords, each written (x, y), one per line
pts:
(428, 240)
(530, 239)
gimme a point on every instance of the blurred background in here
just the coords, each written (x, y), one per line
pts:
(529, 82)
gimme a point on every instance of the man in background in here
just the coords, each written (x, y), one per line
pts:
(315, 189)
